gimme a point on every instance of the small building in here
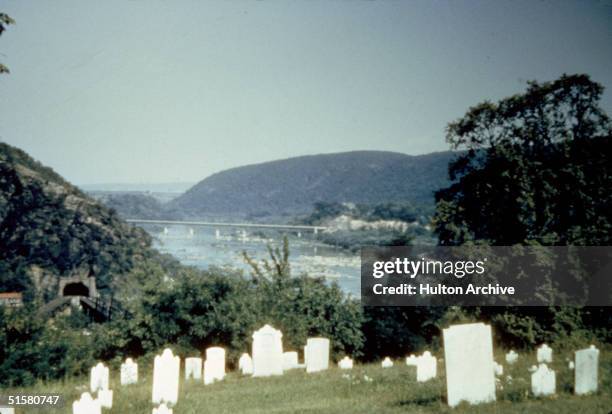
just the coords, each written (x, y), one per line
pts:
(11, 299)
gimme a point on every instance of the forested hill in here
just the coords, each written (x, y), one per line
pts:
(293, 185)
(49, 228)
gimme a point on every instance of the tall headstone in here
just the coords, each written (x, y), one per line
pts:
(345, 363)
(214, 366)
(86, 405)
(586, 367)
(427, 367)
(543, 381)
(468, 354)
(245, 364)
(162, 409)
(544, 354)
(193, 368)
(317, 354)
(99, 378)
(267, 352)
(386, 363)
(290, 360)
(166, 368)
(105, 397)
(511, 357)
(129, 372)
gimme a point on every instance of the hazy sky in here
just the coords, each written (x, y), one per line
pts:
(161, 91)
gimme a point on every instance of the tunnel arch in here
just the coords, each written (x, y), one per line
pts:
(75, 289)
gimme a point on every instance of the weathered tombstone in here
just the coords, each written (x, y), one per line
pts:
(498, 369)
(571, 365)
(290, 360)
(245, 364)
(345, 363)
(129, 372)
(267, 352)
(543, 381)
(511, 357)
(411, 360)
(86, 405)
(386, 363)
(162, 409)
(585, 374)
(166, 368)
(105, 397)
(193, 368)
(317, 354)
(427, 367)
(214, 366)
(468, 354)
(99, 378)
(544, 354)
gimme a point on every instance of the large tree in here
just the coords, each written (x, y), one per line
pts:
(536, 168)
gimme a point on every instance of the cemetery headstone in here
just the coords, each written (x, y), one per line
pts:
(166, 368)
(543, 381)
(345, 363)
(245, 364)
(129, 372)
(386, 363)
(214, 366)
(99, 378)
(290, 360)
(498, 369)
(586, 367)
(193, 368)
(105, 397)
(86, 405)
(267, 352)
(427, 367)
(411, 360)
(511, 357)
(468, 355)
(544, 354)
(317, 354)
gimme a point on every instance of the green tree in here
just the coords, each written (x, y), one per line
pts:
(5, 20)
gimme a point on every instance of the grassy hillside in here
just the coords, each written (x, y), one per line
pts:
(392, 390)
(293, 185)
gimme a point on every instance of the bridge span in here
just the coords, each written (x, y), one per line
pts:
(314, 229)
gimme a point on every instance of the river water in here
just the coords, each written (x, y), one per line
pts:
(203, 247)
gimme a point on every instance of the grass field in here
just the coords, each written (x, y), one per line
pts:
(392, 390)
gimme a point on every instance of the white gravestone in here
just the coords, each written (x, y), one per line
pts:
(245, 364)
(290, 360)
(99, 378)
(386, 363)
(498, 369)
(544, 354)
(317, 354)
(267, 352)
(214, 366)
(166, 368)
(129, 372)
(162, 409)
(543, 381)
(193, 368)
(427, 367)
(468, 355)
(105, 397)
(86, 405)
(411, 361)
(511, 357)
(585, 374)
(345, 363)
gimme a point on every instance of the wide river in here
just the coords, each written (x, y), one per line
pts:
(204, 247)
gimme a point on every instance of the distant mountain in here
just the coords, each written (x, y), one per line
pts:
(291, 186)
(49, 228)
(179, 187)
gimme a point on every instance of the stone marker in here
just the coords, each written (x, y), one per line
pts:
(245, 364)
(129, 372)
(468, 354)
(427, 367)
(214, 366)
(105, 397)
(193, 368)
(544, 354)
(99, 378)
(498, 369)
(543, 381)
(86, 405)
(317, 354)
(290, 360)
(571, 365)
(166, 368)
(162, 409)
(267, 352)
(585, 374)
(411, 360)
(386, 363)
(511, 357)
(345, 363)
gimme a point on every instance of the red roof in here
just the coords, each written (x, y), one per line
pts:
(10, 295)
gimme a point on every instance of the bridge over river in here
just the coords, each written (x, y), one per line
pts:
(297, 227)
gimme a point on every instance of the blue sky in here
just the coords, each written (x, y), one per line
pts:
(160, 91)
